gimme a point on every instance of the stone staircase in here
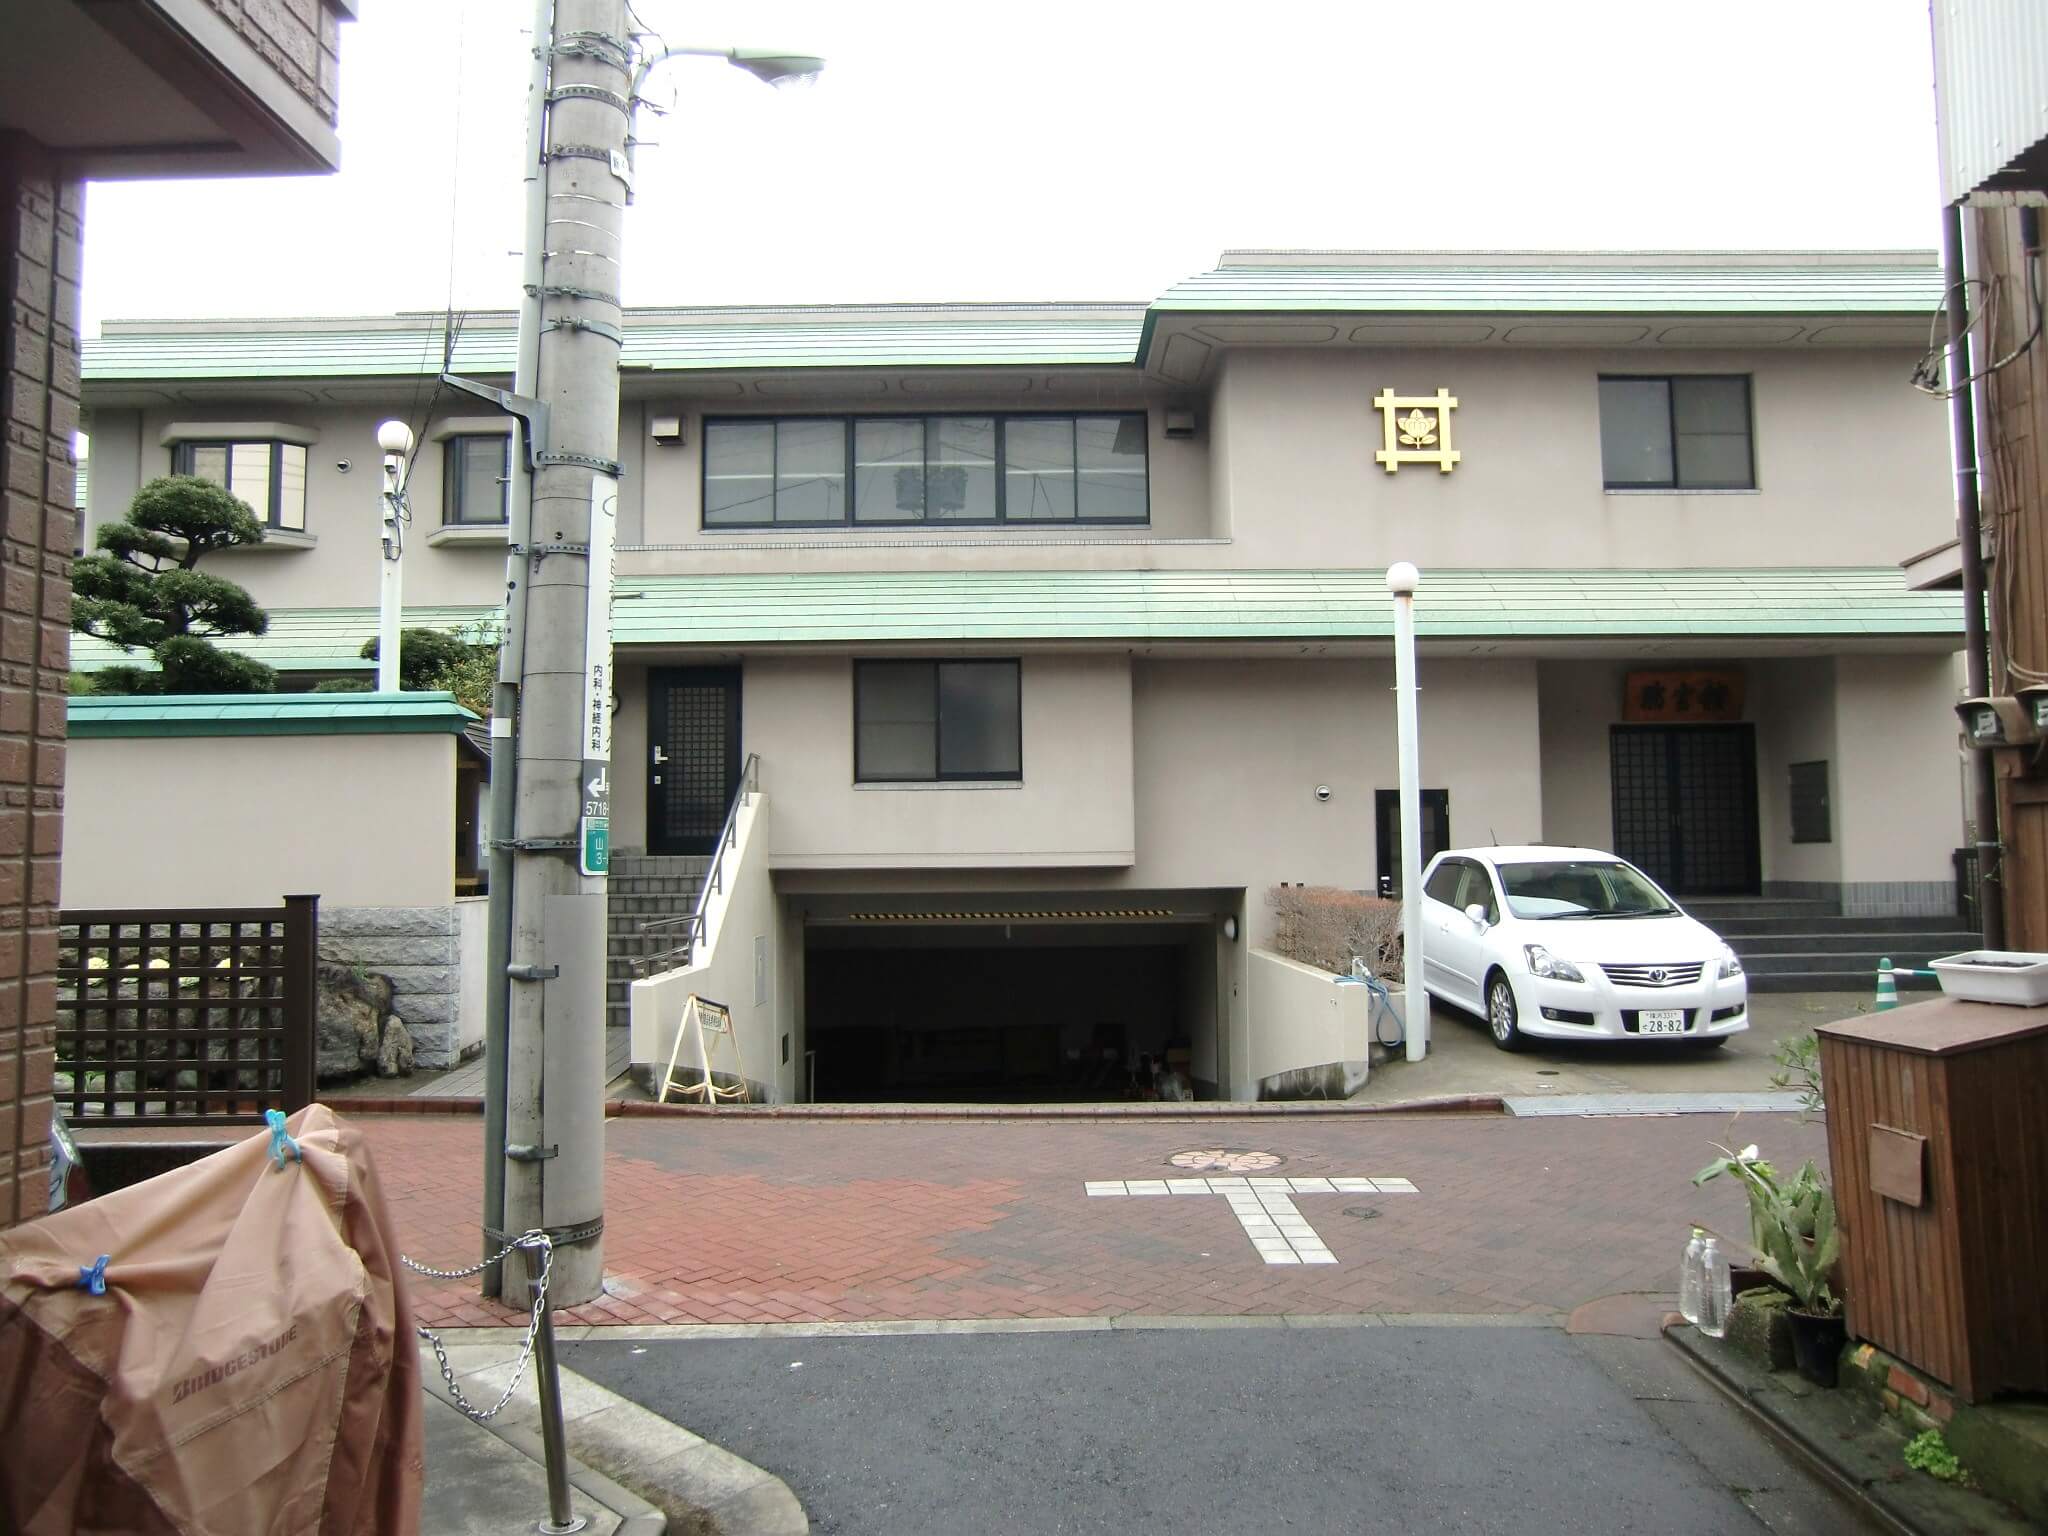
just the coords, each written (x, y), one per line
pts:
(1809, 946)
(642, 889)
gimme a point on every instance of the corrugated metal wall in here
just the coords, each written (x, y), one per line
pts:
(1991, 72)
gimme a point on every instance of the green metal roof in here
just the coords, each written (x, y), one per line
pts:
(999, 606)
(1911, 285)
(268, 714)
(300, 639)
(1044, 335)
(1250, 605)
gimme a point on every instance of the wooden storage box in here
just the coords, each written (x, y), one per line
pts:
(1940, 1156)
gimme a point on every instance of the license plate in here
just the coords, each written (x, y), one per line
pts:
(1661, 1021)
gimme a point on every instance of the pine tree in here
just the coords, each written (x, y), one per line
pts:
(142, 592)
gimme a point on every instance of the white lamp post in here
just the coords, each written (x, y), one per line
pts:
(1402, 580)
(395, 439)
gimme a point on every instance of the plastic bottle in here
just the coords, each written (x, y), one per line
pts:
(1717, 1297)
(1692, 1278)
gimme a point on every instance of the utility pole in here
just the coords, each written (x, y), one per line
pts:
(550, 807)
(554, 1045)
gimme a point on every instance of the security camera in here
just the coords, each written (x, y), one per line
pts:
(1322, 791)
(342, 465)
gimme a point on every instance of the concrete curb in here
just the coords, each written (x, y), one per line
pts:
(1455, 1104)
(654, 1474)
(1459, 1104)
(1858, 1456)
(1128, 1322)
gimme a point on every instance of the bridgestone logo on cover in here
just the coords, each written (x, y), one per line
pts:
(192, 1386)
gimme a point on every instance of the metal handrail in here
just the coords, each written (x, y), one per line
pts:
(694, 925)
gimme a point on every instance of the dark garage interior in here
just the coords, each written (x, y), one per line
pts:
(952, 1015)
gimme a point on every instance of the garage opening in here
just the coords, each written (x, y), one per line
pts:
(1017, 1014)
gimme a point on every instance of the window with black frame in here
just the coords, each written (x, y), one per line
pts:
(1684, 432)
(811, 472)
(477, 478)
(931, 721)
(269, 476)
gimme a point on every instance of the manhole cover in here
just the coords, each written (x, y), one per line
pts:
(1226, 1160)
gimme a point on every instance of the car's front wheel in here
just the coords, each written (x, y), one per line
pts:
(1501, 1013)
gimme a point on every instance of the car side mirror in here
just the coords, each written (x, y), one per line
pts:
(1477, 914)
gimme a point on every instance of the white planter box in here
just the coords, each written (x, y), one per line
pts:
(1995, 976)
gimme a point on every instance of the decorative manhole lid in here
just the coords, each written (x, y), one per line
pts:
(1226, 1160)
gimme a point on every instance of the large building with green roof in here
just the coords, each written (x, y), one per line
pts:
(1059, 630)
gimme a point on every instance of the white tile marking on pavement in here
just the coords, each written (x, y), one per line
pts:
(1265, 1207)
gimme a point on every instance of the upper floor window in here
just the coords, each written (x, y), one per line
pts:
(477, 479)
(270, 477)
(874, 470)
(923, 721)
(1687, 432)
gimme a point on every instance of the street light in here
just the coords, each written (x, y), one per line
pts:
(1402, 580)
(768, 65)
(394, 438)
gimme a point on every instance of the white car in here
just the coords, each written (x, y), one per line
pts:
(1573, 944)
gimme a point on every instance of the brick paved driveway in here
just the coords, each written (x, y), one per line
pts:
(785, 1221)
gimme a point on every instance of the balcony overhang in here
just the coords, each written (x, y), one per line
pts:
(176, 90)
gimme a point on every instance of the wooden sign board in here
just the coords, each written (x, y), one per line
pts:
(1683, 697)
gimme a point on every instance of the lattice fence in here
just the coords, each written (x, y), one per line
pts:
(185, 1017)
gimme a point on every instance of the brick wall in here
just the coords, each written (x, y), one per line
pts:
(39, 260)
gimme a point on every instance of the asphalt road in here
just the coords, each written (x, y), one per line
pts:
(1409, 1429)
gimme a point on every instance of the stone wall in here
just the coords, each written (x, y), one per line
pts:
(39, 368)
(419, 949)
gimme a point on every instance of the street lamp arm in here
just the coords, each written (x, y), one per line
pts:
(764, 64)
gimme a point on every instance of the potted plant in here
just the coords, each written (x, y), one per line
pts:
(1792, 1227)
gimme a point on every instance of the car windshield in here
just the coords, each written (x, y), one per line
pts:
(1581, 888)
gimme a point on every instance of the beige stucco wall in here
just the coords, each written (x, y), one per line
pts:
(343, 513)
(1071, 809)
(1305, 1019)
(1851, 469)
(1577, 701)
(1883, 723)
(739, 918)
(1793, 706)
(183, 821)
(473, 917)
(1229, 754)
(1898, 814)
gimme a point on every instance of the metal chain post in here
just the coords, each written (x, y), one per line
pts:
(539, 1344)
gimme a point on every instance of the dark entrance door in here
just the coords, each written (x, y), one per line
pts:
(1436, 832)
(693, 733)
(1685, 805)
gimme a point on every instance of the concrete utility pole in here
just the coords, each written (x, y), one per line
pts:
(550, 808)
(554, 1056)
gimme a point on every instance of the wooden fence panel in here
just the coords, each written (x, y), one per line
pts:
(186, 1016)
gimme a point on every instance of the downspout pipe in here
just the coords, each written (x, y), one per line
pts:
(1970, 544)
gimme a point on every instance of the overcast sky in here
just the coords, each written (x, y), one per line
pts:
(1064, 150)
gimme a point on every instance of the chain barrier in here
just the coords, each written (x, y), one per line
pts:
(533, 1239)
